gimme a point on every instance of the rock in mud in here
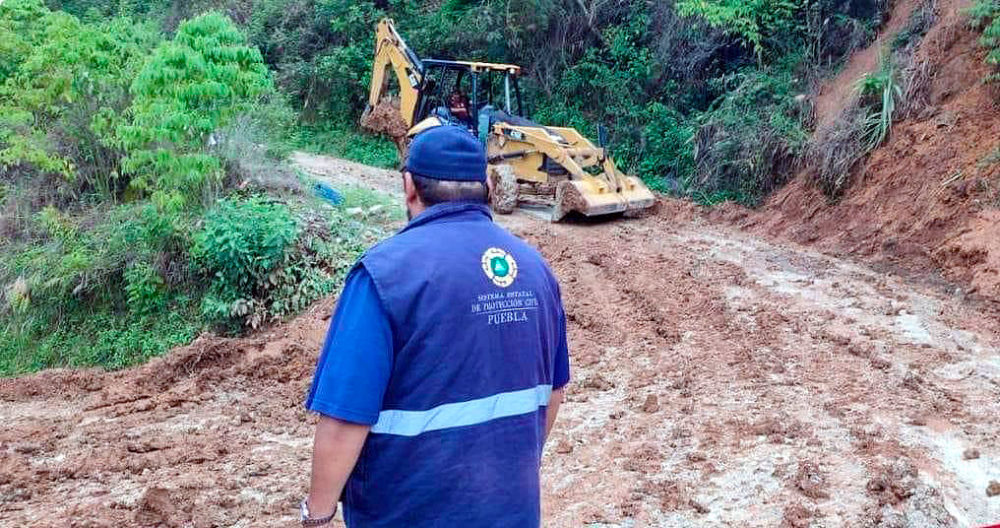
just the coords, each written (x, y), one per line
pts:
(564, 447)
(796, 516)
(156, 507)
(651, 405)
(993, 489)
(894, 482)
(598, 382)
(810, 481)
(699, 507)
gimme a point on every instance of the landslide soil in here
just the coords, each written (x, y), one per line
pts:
(929, 198)
(718, 380)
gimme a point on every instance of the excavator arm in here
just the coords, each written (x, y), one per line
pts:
(392, 52)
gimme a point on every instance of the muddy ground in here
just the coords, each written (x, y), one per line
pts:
(718, 380)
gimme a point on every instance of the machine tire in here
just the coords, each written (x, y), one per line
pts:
(504, 197)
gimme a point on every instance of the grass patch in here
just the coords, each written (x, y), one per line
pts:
(90, 336)
(347, 142)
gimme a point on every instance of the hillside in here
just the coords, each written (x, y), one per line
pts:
(928, 199)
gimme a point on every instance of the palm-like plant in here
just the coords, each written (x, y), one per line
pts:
(879, 92)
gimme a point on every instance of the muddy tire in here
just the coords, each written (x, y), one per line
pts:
(504, 197)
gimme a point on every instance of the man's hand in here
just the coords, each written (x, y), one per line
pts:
(335, 452)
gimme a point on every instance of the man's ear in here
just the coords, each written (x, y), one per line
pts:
(408, 186)
(410, 190)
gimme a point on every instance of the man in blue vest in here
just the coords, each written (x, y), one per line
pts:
(444, 365)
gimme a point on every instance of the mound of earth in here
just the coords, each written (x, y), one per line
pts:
(928, 199)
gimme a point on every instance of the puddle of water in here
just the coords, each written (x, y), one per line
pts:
(913, 328)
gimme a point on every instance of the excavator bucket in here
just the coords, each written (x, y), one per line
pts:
(590, 198)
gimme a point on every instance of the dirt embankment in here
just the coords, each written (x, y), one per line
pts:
(927, 199)
(719, 380)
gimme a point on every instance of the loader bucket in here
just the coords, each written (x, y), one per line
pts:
(590, 198)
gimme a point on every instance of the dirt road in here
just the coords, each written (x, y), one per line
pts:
(719, 380)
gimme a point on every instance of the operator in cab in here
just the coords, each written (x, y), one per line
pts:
(458, 105)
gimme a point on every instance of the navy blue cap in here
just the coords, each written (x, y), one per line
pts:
(447, 152)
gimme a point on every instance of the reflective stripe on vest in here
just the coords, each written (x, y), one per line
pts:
(472, 412)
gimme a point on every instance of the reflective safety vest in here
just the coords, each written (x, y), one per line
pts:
(476, 322)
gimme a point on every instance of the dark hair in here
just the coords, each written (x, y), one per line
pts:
(432, 191)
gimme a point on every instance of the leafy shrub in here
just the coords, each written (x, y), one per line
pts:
(267, 259)
(67, 92)
(754, 22)
(144, 288)
(67, 266)
(746, 145)
(185, 91)
(668, 158)
(243, 243)
(22, 24)
(320, 51)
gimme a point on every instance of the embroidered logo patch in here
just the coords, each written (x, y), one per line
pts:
(499, 266)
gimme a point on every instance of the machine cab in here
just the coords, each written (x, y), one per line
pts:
(472, 94)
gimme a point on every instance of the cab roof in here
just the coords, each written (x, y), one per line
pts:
(474, 66)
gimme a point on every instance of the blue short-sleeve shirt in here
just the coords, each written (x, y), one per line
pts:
(356, 361)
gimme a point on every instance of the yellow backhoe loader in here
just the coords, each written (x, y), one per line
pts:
(552, 169)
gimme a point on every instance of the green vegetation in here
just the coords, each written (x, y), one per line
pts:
(119, 145)
(749, 138)
(660, 75)
(187, 89)
(985, 15)
(347, 143)
(879, 93)
(143, 196)
(759, 24)
(673, 81)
